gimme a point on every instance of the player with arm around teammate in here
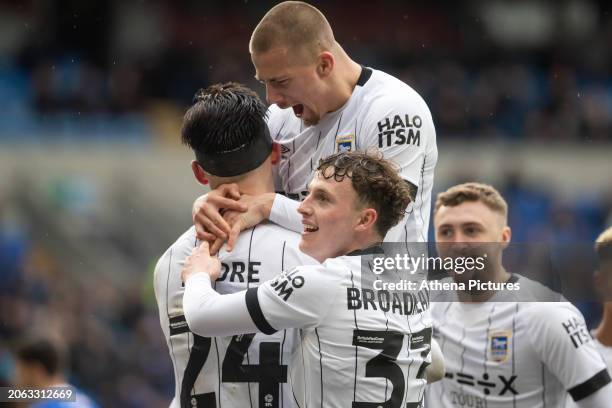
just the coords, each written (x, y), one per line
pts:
(352, 353)
(225, 128)
(323, 102)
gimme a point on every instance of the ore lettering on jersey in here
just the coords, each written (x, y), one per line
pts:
(235, 272)
(400, 130)
(404, 303)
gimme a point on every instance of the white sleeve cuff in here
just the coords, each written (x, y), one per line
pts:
(284, 213)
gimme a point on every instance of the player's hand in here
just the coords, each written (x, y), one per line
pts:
(258, 211)
(209, 223)
(200, 260)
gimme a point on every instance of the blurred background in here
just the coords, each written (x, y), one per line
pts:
(94, 184)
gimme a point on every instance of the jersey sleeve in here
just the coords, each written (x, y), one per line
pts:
(209, 313)
(298, 298)
(560, 336)
(284, 213)
(400, 125)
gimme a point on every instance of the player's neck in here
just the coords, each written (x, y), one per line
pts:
(603, 333)
(256, 182)
(343, 82)
(256, 185)
(360, 243)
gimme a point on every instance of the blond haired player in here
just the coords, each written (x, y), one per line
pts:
(500, 351)
(323, 102)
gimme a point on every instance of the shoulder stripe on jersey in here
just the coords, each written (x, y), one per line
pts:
(366, 73)
(320, 364)
(338, 128)
(421, 191)
(306, 387)
(256, 313)
(283, 256)
(514, 338)
(294, 398)
(543, 376)
(590, 386)
(282, 354)
(486, 342)
(218, 372)
(168, 310)
(356, 347)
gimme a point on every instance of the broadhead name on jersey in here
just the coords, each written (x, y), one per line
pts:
(399, 130)
(408, 303)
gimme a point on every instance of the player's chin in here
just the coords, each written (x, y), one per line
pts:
(305, 245)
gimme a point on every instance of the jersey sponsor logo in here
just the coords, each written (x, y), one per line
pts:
(421, 340)
(406, 303)
(488, 383)
(461, 399)
(345, 143)
(284, 149)
(285, 283)
(499, 345)
(577, 331)
(400, 130)
(235, 272)
(178, 325)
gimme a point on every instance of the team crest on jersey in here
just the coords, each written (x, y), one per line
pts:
(499, 344)
(345, 143)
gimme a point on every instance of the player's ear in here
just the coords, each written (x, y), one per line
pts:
(506, 237)
(599, 283)
(275, 154)
(199, 172)
(367, 219)
(325, 64)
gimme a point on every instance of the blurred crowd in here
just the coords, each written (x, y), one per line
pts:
(539, 70)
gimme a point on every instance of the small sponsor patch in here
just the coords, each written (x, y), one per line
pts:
(178, 325)
(499, 344)
(345, 143)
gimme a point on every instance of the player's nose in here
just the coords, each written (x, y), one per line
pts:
(305, 208)
(274, 96)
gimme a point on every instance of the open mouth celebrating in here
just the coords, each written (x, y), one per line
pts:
(298, 110)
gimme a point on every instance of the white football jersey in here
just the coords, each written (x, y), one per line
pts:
(359, 348)
(514, 354)
(238, 371)
(382, 112)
